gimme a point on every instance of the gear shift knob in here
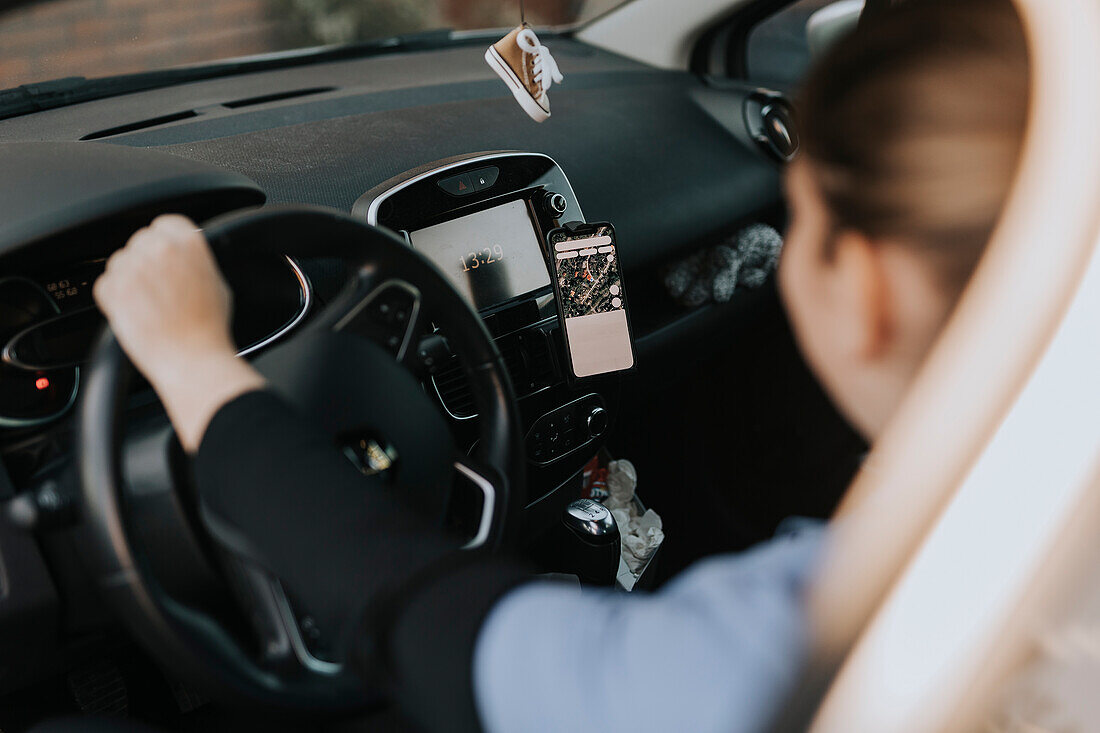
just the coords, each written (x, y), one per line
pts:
(595, 551)
(591, 520)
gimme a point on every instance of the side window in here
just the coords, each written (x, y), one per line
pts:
(780, 48)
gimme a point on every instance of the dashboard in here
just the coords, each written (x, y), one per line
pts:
(667, 157)
(427, 144)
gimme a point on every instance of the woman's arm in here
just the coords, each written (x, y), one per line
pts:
(718, 649)
(170, 309)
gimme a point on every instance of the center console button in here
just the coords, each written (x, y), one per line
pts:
(567, 428)
(459, 185)
(484, 178)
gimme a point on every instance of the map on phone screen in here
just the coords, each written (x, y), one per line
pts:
(592, 301)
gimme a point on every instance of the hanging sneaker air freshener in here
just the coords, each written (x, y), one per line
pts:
(527, 67)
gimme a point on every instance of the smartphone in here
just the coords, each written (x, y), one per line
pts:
(588, 284)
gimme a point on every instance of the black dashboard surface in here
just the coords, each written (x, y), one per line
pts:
(50, 188)
(639, 148)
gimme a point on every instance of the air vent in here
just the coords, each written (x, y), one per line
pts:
(277, 97)
(141, 125)
(770, 121)
(526, 356)
(454, 391)
(539, 366)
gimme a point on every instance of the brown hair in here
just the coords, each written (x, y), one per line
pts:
(913, 125)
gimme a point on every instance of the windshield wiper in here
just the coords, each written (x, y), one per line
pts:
(44, 95)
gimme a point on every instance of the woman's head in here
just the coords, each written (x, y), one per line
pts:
(911, 132)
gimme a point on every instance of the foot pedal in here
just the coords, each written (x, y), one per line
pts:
(99, 689)
(186, 698)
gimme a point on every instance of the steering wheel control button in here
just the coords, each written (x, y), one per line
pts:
(566, 429)
(484, 178)
(460, 185)
(433, 352)
(388, 316)
(555, 204)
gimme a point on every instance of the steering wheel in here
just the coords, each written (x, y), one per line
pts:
(156, 553)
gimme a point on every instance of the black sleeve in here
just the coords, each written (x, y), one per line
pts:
(406, 603)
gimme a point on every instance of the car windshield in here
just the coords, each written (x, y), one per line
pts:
(93, 38)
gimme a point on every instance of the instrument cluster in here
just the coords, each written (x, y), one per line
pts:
(49, 323)
(29, 395)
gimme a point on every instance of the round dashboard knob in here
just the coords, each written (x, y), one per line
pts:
(597, 422)
(555, 204)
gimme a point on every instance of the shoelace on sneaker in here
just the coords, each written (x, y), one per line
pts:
(546, 69)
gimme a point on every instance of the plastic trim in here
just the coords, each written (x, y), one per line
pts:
(487, 507)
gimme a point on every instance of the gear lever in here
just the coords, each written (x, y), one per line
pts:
(591, 548)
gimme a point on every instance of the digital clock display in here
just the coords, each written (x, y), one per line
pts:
(487, 256)
(491, 256)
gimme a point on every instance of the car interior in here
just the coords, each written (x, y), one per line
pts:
(331, 183)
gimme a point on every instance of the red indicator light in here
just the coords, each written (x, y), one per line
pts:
(42, 383)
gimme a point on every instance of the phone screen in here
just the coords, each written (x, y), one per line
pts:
(591, 300)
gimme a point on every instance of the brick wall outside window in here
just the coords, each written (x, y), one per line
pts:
(52, 39)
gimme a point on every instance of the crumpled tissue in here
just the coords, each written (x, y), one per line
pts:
(642, 533)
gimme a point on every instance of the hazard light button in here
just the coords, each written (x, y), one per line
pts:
(459, 185)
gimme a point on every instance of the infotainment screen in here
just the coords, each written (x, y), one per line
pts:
(491, 256)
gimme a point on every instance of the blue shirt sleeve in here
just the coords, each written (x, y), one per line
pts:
(717, 649)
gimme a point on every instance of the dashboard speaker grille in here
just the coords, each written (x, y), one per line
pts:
(141, 125)
(189, 113)
(276, 97)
